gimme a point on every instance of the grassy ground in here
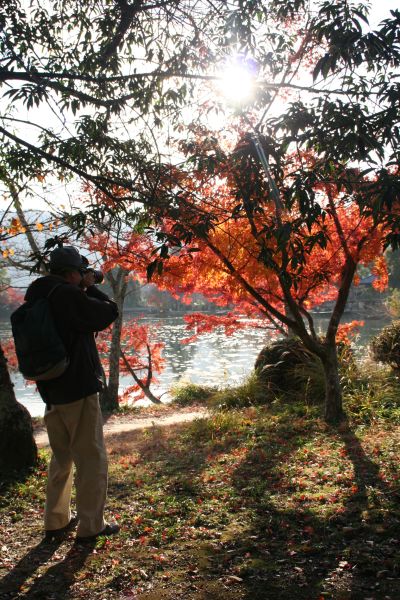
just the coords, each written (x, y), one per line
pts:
(256, 503)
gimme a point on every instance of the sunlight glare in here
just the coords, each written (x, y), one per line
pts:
(237, 83)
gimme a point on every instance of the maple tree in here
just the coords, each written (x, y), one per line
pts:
(140, 358)
(127, 347)
(278, 220)
(268, 258)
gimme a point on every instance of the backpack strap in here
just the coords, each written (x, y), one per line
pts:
(57, 285)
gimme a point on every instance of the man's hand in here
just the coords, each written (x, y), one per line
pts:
(87, 280)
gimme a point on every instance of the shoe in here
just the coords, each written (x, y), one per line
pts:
(110, 529)
(51, 534)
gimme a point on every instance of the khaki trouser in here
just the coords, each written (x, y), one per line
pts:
(76, 437)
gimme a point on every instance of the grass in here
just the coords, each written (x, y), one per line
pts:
(252, 503)
(251, 392)
(191, 393)
(370, 393)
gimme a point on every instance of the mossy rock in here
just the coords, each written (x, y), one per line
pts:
(386, 346)
(289, 370)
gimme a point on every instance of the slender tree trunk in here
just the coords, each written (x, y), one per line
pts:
(327, 353)
(149, 394)
(18, 449)
(290, 333)
(333, 392)
(109, 400)
(145, 387)
(109, 396)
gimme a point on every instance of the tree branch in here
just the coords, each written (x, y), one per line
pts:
(145, 389)
(40, 77)
(21, 215)
(97, 180)
(249, 288)
(128, 12)
(343, 294)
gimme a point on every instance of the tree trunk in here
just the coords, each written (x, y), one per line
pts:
(109, 396)
(18, 450)
(333, 392)
(145, 387)
(149, 394)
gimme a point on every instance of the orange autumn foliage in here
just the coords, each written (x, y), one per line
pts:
(313, 282)
(142, 352)
(347, 331)
(316, 281)
(242, 249)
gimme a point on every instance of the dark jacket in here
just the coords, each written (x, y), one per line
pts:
(78, 315)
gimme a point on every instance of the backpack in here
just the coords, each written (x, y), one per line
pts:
(41, 353)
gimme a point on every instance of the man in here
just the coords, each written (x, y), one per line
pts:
(73, 417)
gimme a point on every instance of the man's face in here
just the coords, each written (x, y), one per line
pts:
(73, 277)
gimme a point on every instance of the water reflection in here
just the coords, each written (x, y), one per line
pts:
(360, 342)
(214, 359)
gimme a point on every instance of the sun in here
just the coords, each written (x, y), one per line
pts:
(237, 83)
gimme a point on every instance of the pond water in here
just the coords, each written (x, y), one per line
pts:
(213, 359)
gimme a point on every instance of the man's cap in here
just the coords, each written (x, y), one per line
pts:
(66, 257)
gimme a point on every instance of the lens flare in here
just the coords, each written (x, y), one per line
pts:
(237, 82)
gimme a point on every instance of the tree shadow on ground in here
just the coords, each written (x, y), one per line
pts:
(272, 548)
(262, 551)
(284, 552)
(55, 582)
(184, 463)
(176, 462)
(374, 527)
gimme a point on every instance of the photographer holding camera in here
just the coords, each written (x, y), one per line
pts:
(73, 417)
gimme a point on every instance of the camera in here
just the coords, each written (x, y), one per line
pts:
(98, 275)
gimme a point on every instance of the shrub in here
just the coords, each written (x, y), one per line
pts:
(373, 395)
(250, 392)
(386, 346)
(286, 368)
(289, 371)
(188, 394)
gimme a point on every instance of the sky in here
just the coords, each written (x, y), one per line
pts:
(380, 9)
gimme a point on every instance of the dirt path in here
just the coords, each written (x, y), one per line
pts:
(123, 424)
